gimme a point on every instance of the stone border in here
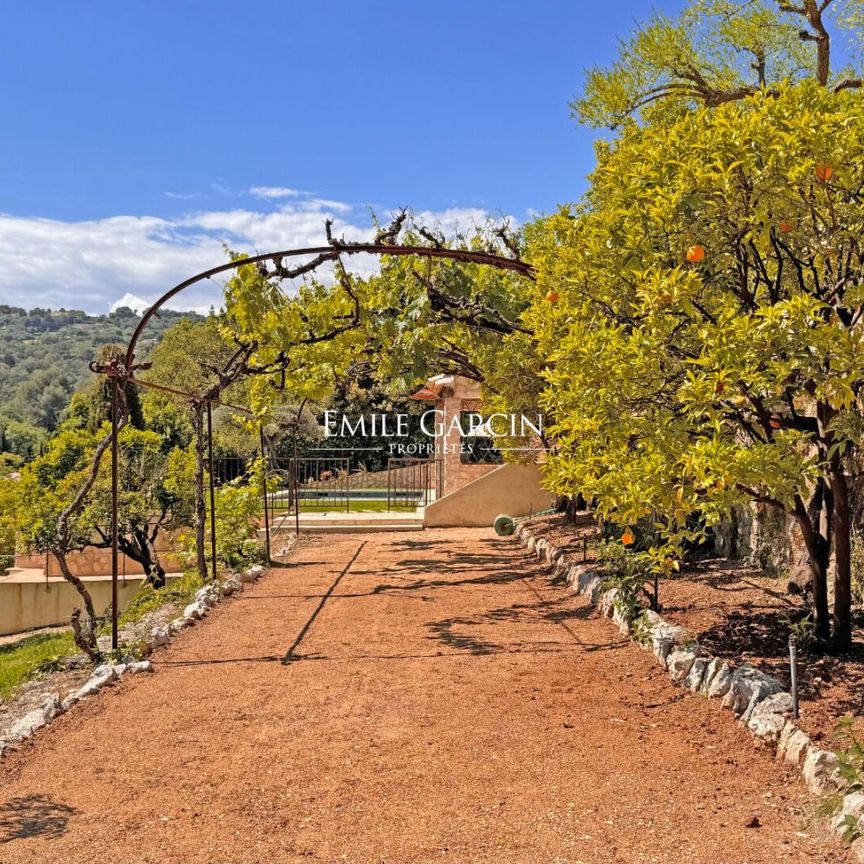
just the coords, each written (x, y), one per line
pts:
(757, 699)
(205, 598)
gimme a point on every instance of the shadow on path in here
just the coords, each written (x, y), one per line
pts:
(33, 816)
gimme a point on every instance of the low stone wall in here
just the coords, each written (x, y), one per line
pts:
(28, 605)
(765, 537)
(757, 699)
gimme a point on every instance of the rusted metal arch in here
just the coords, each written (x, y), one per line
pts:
(331, 251)
(489, 259)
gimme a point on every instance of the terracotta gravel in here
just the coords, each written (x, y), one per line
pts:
(444, 702)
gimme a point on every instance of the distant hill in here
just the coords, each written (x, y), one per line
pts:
(43, 359)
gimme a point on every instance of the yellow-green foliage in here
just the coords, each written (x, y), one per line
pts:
(664, 375)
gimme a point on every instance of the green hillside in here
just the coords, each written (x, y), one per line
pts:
(43, 359)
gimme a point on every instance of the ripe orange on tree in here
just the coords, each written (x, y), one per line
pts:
(627, 537)
(552, 297)
(696, 253)
(824, 172)
(786, 226)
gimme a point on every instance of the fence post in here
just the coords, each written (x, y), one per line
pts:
(264, 489)
(389, 461)
(346, 468)
(212, 489)
(296, 486)
(115, 451)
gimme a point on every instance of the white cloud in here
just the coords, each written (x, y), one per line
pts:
(184, 196)
(270, 192)
(90, 264)
(131, 301)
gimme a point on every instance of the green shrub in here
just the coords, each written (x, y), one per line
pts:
(628, 572)
(149, 599)
(238, 511)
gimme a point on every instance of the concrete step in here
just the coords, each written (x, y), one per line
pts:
(369, 528)
(333, 527)
(354, 519)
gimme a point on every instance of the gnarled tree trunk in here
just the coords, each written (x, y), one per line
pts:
(200, 506)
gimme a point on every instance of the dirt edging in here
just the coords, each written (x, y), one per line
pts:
(758, 700)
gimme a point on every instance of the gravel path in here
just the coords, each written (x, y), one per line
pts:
(443, 702)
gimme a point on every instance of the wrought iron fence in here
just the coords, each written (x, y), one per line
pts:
(413, 483)
(310, 485)
(293, 487)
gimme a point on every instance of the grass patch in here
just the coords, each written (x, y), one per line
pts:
(356, 505)
(21, 661)
(149, 599)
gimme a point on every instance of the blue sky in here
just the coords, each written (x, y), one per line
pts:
(140, 135)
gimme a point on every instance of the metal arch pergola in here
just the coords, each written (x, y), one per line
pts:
(118, 371)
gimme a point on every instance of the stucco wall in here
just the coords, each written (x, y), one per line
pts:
(511, 489)
(25, 605)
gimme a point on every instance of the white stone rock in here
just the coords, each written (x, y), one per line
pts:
(747, 689)
(25, 726)
(793, 744)
(857, 850)
(71, 700)
(194, 612)
(208, 595)
(650, 619)
(820, 771)
(52, 706)
(160, 636)
(607, 602)
(693, 681)
(768, 718)
(664, 637)
(139, 666)
(852, 805)
(711, 670)
(619, 618)
(531, 544)
(100, 676)
(680, 661)
(582, 577)
(175, 626)
(119, 669)
(560, 567)
(721, 681)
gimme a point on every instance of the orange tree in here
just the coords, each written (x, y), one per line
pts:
(705, 347)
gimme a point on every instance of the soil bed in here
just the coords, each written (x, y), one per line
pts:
(743, 614)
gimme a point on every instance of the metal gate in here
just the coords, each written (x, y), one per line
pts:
(309, 485)
(413, 483)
